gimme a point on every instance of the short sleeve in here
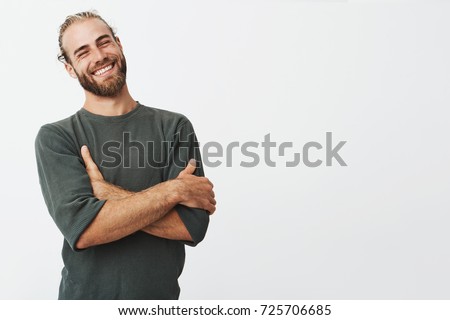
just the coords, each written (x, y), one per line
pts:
(65, 184)
(185, 147)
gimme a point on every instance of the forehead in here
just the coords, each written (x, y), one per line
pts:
(83, 33)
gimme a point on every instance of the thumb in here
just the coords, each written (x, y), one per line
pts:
(91, 167)
(190, 168)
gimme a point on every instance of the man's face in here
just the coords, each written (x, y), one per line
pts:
(96, 57)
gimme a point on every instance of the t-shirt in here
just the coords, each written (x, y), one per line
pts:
(135, 151)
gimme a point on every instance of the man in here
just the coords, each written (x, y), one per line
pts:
(117, 179)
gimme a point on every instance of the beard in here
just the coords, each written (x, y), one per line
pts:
(109, 87)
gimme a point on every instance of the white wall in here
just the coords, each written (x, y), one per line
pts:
(374, 73)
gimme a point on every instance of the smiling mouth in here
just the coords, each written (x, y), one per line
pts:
(103, 70)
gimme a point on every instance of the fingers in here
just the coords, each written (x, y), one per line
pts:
(211, 205)
(91, 167)
(212, 201)
(199, 190)
(211, 208)
(190, 168)
(87, 158)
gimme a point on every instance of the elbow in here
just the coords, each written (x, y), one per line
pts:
(199, 233)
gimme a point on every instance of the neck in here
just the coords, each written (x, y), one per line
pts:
(110, 106)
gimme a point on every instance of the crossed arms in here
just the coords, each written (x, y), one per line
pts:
(150, 210)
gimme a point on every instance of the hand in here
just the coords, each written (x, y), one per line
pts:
(196, 192)
(102, 189)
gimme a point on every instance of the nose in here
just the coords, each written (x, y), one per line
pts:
(98, 55)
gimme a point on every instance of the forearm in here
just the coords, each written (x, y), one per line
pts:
(122, 216)
(170, 227)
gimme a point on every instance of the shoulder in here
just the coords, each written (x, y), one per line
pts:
(166, 118)
(61, 130)
(165, 115)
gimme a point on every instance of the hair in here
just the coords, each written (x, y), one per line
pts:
(80, 16)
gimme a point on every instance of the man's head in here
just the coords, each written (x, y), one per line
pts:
(92, 53)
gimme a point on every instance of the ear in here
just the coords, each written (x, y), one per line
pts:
(70, 70)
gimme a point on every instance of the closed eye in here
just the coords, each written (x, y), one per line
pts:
(104, 43)
(82, 54)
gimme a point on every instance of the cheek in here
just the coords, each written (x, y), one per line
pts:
(77, 71)
(83, 68)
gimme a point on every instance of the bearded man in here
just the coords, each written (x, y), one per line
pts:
(122, 181)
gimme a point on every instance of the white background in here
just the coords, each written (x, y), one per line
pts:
(375, 73)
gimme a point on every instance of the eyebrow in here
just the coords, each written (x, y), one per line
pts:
(87, 46)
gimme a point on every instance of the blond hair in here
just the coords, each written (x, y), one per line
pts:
(80, 16)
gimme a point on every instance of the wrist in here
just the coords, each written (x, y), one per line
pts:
(174, 191)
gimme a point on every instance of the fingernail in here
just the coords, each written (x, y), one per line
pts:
(192, 162)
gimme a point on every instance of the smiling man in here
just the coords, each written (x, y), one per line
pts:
(124, 226)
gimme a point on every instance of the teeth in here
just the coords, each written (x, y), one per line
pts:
(103, 70)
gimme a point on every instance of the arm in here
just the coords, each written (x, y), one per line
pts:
(169, 226)
(184, 146)
(127, 213)
(69, 197)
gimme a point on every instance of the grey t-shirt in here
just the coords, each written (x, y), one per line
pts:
(135, 151)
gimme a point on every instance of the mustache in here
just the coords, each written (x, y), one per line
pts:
(106, 61)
